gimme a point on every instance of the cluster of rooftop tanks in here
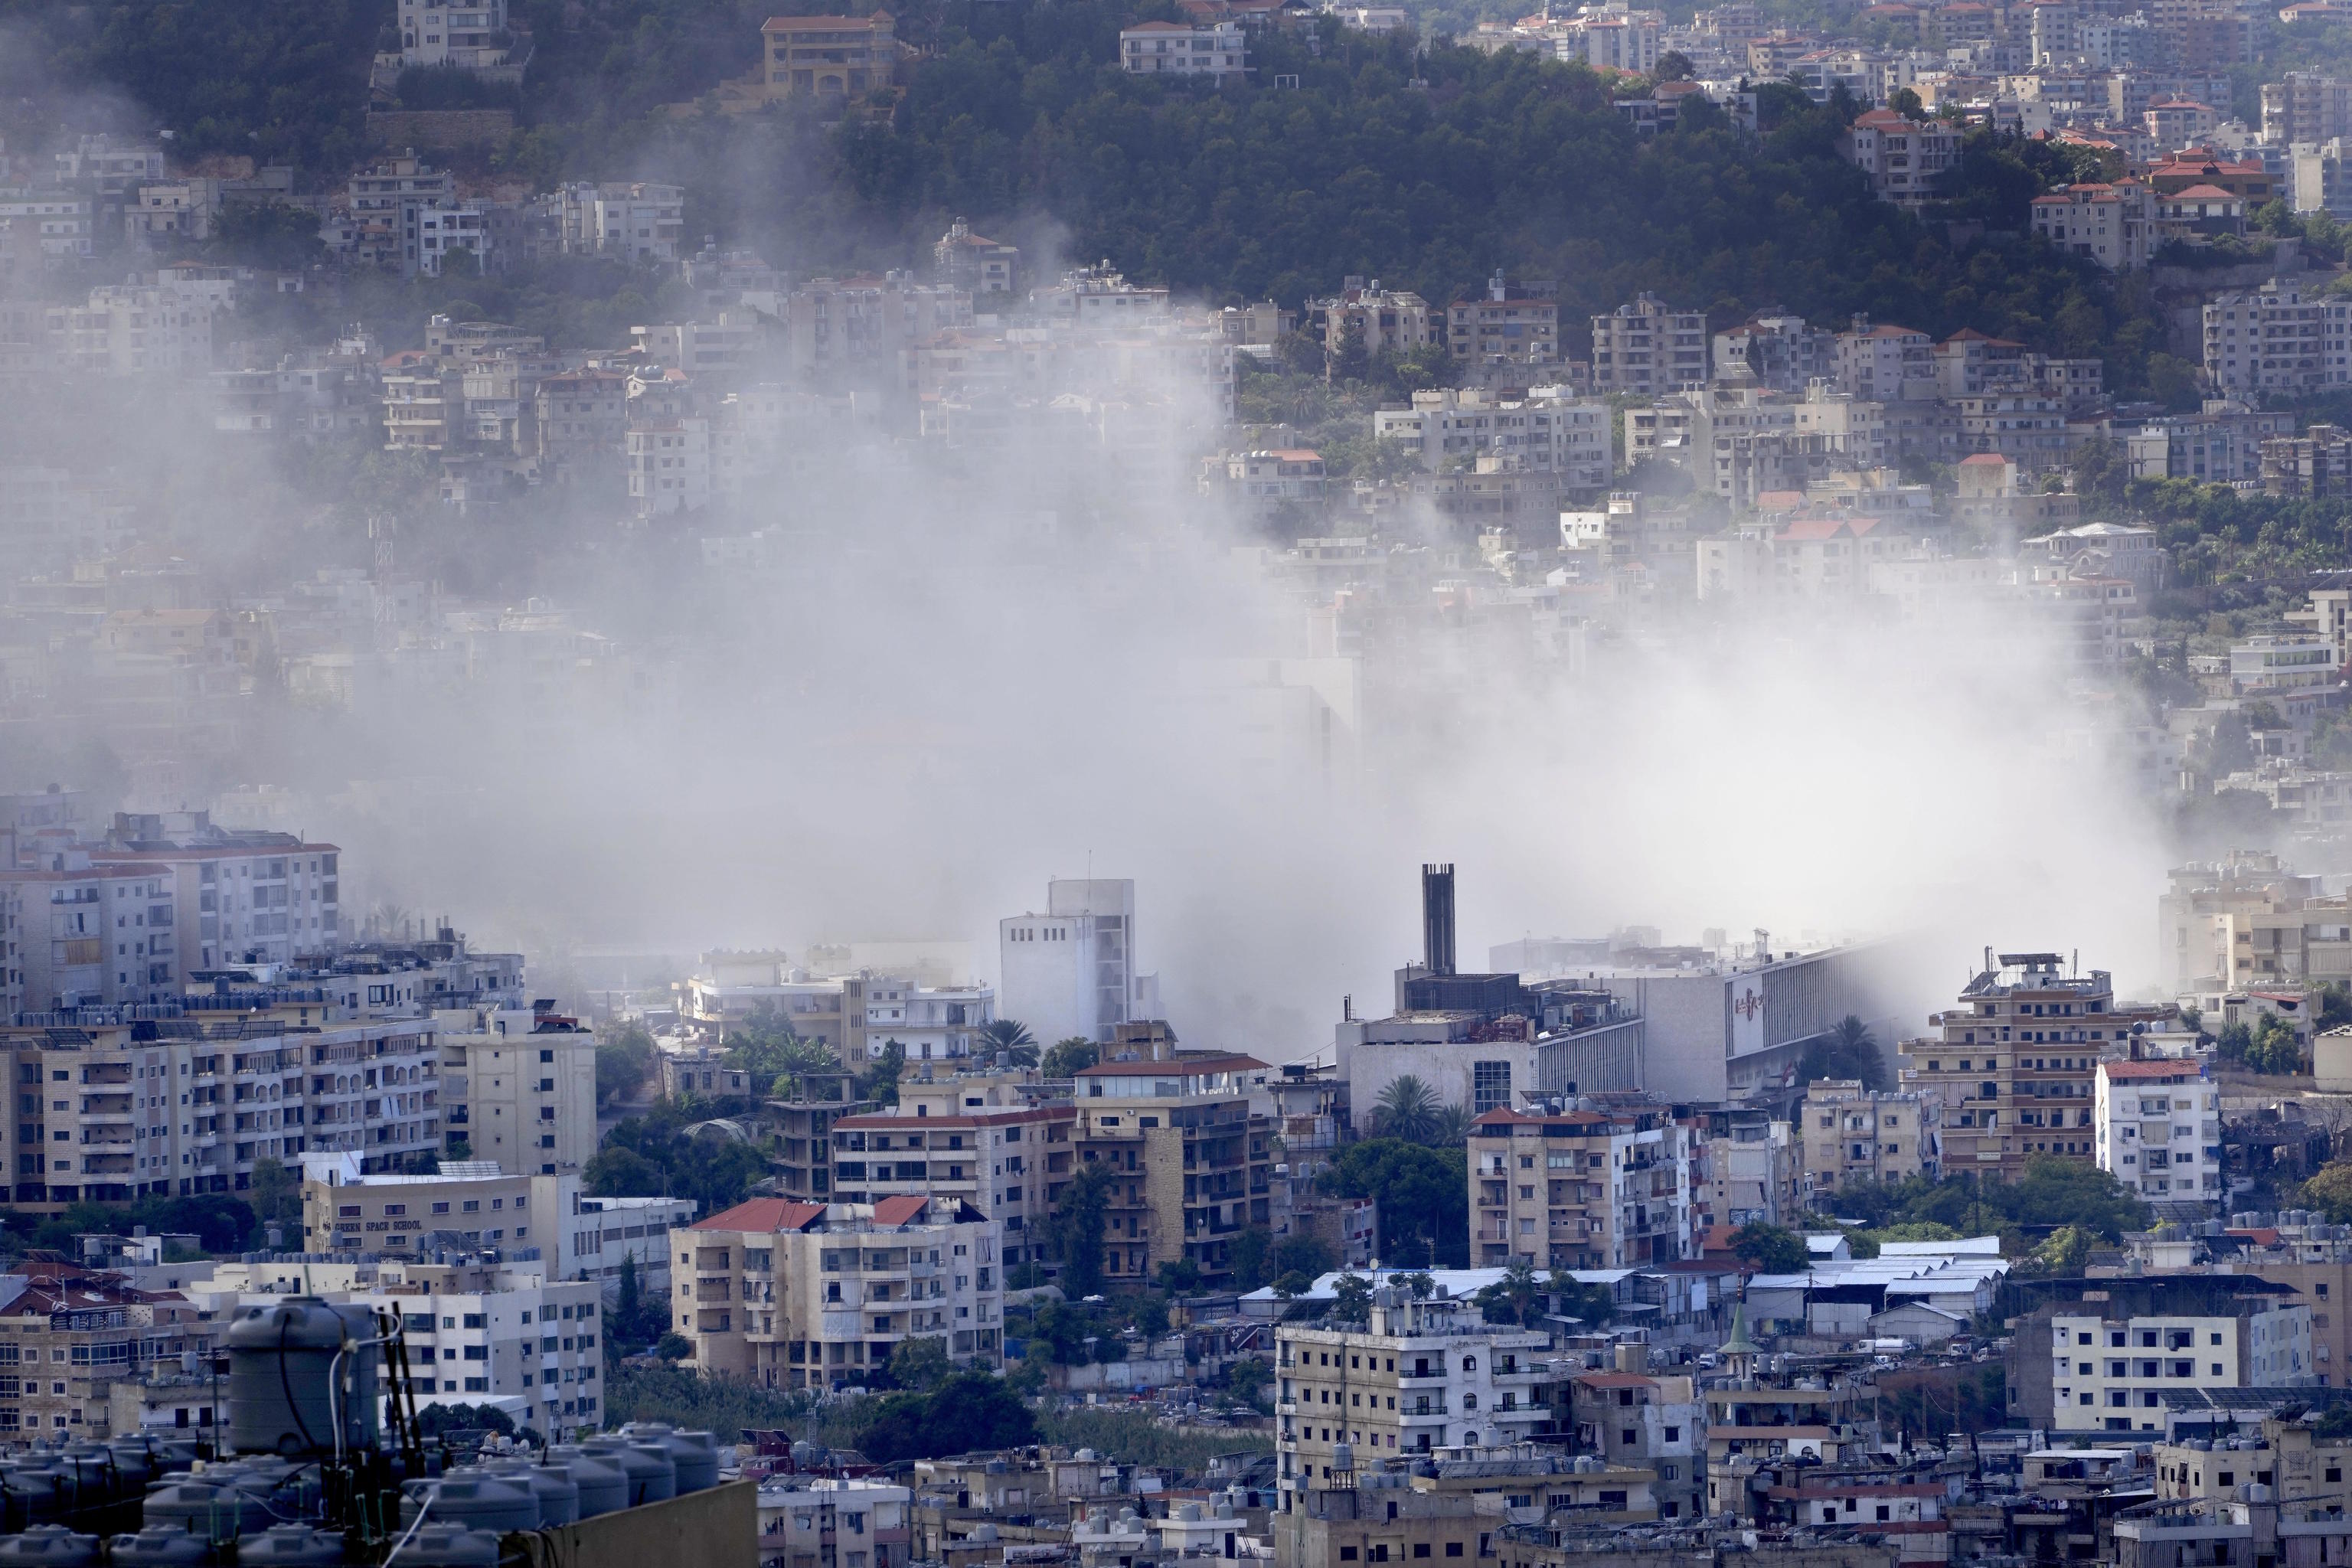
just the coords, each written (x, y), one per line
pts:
(287, 1500)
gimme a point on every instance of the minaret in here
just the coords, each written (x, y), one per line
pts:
(1739, 1352)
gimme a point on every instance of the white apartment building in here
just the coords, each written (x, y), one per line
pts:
(1886, 363)
(134, 329)
(2111, 1375)
(808, 1295)
(1419, 1375)
(2159, 1130)
(1546, 432)
(1615, 40)
(443, 232)
(2111, 223)
(1646, 346)
(2272, 340)
(1070, 971)
(635, 220)
(2273, 666)
(463, 33)
(60, 220)
(1213, 49)
(239, 896)
(668, 465)
(509, 1337)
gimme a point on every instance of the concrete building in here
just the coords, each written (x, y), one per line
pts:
(1581, 1189)
(828, 56)
(1070, 971)
(482, 1332)
(2016, 1062)
(1904, 159)
(2114, 224)
(471, 35)
(2306, 106)
(1211, 49)
(816, 1295)
(1635, 1420)
(1419, 1375)
(471, 1205)
(2159, 1130)
(1719, 1028)
(1190, 1161)
(1646, 347)
(1544, 431)
(804, 1520)
(1855, 1134)
(636, 221)
(517, 1086)
(68, 1337)
(2249, 920)
(1008, 1164)
(2110, 1368)
(2272, 341)
(116, 1110)
(1505, 326)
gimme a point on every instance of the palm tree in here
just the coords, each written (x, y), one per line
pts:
(1408, 1110)
(1011, 1038)
(1845, 1049)
(1453, 1127)
(1517, 1292)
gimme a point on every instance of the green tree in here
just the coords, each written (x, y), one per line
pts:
(1848, 1051)
(968, 1411)
(1408, 1110)
(1351, 1298)
(1179, 1277)
(1591, 1304)
(1077, 1231)
(1674, 66)
(1516, 1298)
(2068, 1248)
(1069, 1058)
(880, 1083)
(2329, 1189)
(625, 1058)
(1424, 1196)
(1304, 1254)
(919, 1364)
(1009, 1037)
(1247, 1254)
(276, 1195)
(1770, 1248)
(674, 1346)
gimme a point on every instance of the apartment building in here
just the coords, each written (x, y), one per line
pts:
(1541, 431)
(858, 1016)
(1886, 363)
(1634, 1420)
(833, 57)
(827, 1519)
(240, 895)
(465, 34)
(1505, 326)
(2159, 1130)
(2015, 1064)
(517, 1086)
(814, 1295)
(1746, 1167)
(484, 1332)
(1419, 1375)
(2287, 1458)
(75, 934)
(1007, 1163)
(1581, 1189)
(116, 1110)
(131, 329)
(1750, 1423)
(635, 220)
(1646, 346)
(1211, 49)
(1779, 353)
(470, 1205)
(1904, 159)
(2111, 1366)
(1380, 318)
(2247, 919)
(1190, 1164)
(2272, 340)
(67, 1335)
(2114, 224)
(1855, 1134)
(2305, 106)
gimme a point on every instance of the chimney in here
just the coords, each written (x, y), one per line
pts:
(1437, 917)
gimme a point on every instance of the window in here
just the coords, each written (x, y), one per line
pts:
(1490, 1087)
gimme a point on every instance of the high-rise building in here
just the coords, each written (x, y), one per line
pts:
(1190, 1164)
(1581, 1189)
(1070, 971)
(2159, 1130)
(1646, 346)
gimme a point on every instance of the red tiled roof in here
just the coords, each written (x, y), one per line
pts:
(904, 1209)
(2149, 1069)
(1986, 458)
(2204, 194)
(766, 1215)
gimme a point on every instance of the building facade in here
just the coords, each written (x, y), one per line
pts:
(1581, 1189)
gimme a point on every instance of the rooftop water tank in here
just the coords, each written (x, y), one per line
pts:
(279, 1359)
(693, 1455)
(475, 1499)
(450, 1546)
(551, 1483)
(157, 1547)
(604, 1484)
(653, 1474)
(290, 1546)
(52, 1546)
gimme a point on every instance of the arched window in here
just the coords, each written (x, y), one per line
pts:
(1469, 1401)
(1469, 1363)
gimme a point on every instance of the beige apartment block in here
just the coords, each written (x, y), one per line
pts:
(1854, 1134)
(1581, 1189)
